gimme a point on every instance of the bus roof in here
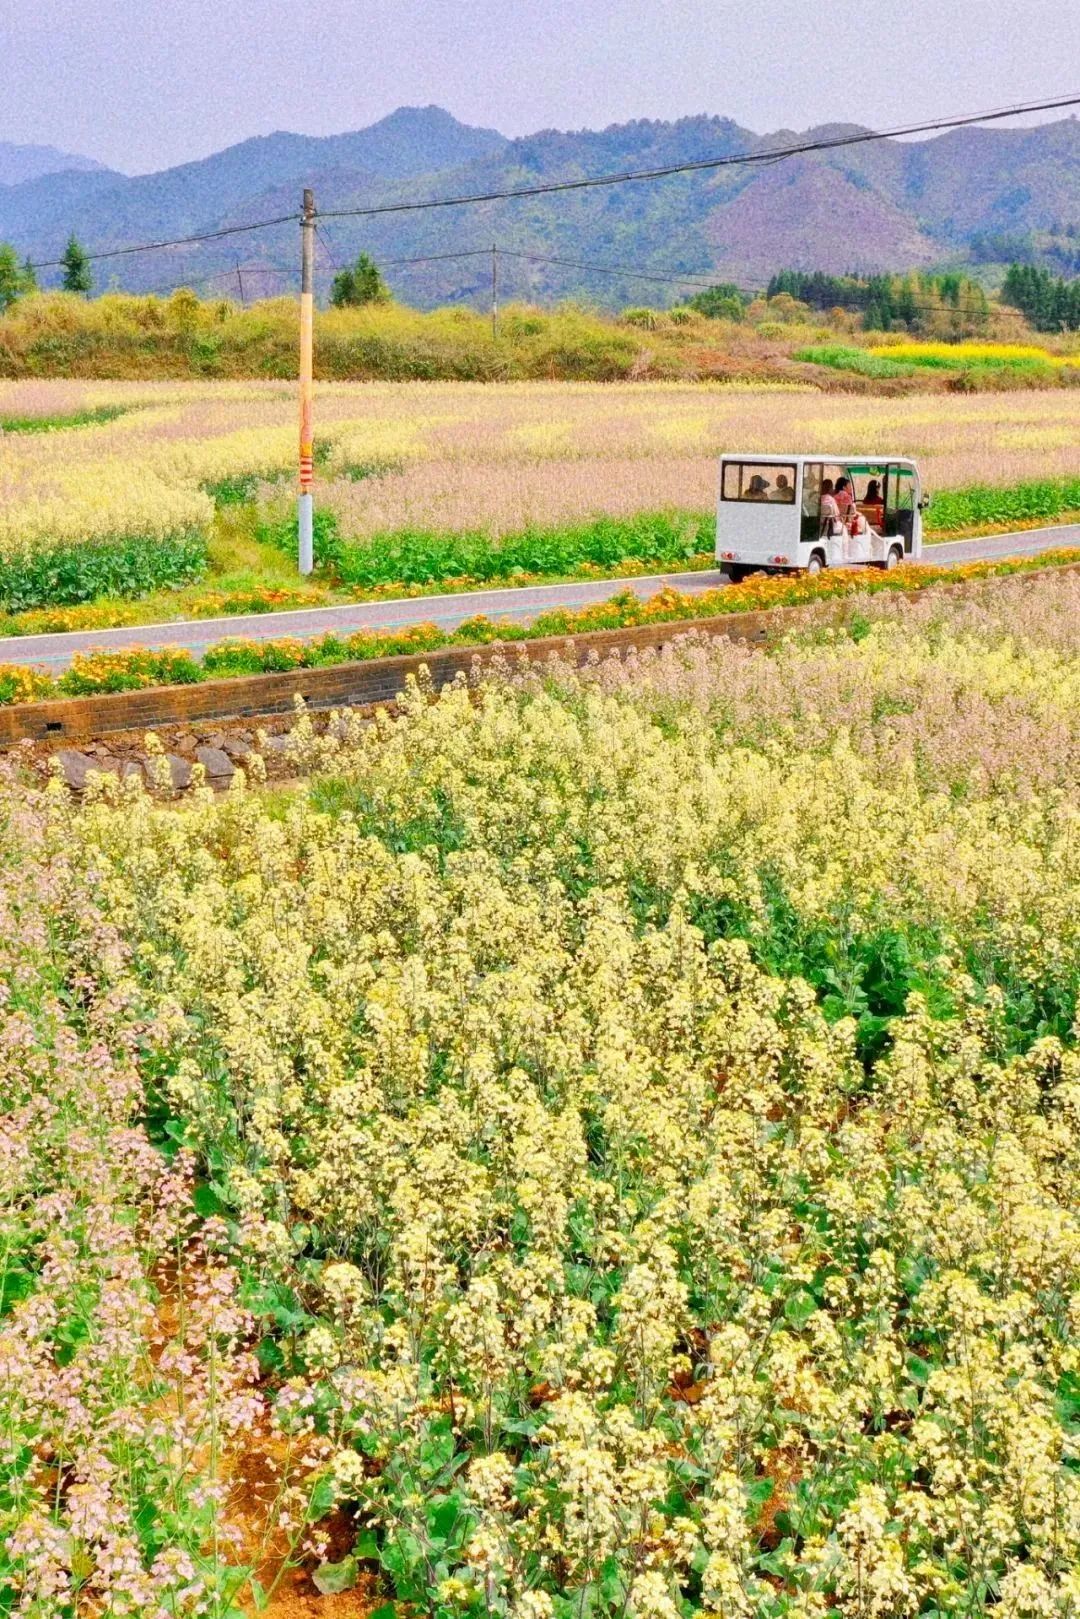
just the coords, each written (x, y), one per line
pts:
(857, 463)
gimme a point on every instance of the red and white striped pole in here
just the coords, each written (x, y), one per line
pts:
(304, 512)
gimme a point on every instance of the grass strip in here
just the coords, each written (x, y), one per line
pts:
(138, 668)
(56, 424)
(428, 556)
(843, 357)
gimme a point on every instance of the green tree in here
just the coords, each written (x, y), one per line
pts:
(359, 283)
(1050, 305)
(722, 302)
(15, 278)
(76, 267)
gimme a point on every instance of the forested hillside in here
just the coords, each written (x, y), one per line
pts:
(883, 206)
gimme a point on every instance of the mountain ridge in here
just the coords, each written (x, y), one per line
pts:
(19, 163)
(885, 205)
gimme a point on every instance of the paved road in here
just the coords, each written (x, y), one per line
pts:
(54, 652)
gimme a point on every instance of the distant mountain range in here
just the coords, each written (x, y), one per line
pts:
(21, 163)
(886, 205)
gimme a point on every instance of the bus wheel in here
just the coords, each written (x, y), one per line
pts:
(816, 563)
(893, 558)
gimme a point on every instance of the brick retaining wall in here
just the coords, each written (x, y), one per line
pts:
(354, 685)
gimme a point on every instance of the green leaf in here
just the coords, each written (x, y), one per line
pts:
(779, 1561)
(366, 1549)
(918, 1369)
(800, 1306)
(330, 1579)
(323, 1497)
(611, 1585)
(759, 1491)
(442, 1516)
(15, 1284)
(269, 1355)
(206, 1201)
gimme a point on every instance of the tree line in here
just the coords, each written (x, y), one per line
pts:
(17, 278)
(917, 302)
(1050, 303)
(359, 283)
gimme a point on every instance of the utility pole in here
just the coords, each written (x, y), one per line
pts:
(240, 283)
(304, 515)
(494, 291)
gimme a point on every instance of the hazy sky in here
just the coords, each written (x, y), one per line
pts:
(141, 84)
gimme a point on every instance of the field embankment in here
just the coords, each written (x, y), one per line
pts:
(121, 335)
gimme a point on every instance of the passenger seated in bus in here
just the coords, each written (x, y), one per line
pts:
(784, 490)
(831, 528)
(757, 489)
(843, 496)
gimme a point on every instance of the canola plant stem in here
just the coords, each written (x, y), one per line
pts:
(304, 505)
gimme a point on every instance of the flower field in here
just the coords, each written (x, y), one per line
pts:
(604, 1143)
(422, 481)
(951, 356)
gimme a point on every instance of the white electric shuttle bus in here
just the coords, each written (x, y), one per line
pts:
(768, 516)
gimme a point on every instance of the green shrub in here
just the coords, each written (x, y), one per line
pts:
(135, 565)
(647, 319)
(981, 504)
(129, 671)
(284, 534)
(236, 491)
(416, 557)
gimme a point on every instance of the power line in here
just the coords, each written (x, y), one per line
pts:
(625, 270)
(193, 283)
(416, 258)
(176, 241)
(550, 187)
(614, 269)
(323, 236)
(432, 258)
(546, 188)
(257, 269)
